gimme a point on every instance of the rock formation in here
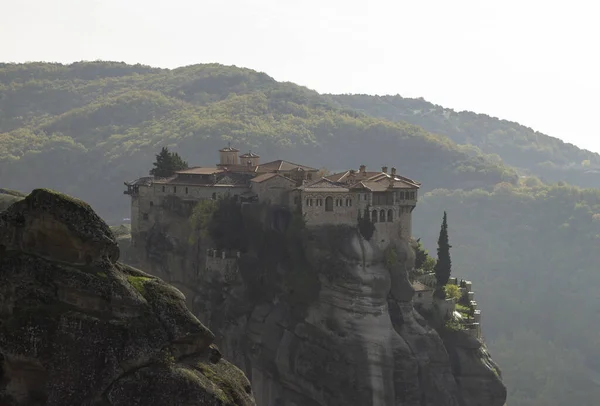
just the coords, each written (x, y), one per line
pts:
(79, 328)
(325, 318)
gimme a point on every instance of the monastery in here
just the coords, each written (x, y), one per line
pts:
(386, 198)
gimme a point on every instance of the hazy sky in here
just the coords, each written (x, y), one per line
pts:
(535, 62)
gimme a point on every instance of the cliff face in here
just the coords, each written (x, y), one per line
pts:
(79, 328)
(327, 319)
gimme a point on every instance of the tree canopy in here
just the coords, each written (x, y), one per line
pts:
(167, 163)
(527, 243)
(443, 266)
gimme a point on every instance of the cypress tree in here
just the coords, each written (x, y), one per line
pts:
(443, 267)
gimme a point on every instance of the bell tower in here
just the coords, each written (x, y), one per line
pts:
(250, 159)
(228, 156)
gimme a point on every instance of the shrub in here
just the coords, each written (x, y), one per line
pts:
(452, 291)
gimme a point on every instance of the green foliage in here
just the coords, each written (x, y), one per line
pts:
(138, 283)
(453, 325)
(226, 224)
(167, 163)
(423, 261)
(510, 243)
(200, 219)
(465, 311)
(443, 266)
(536, 153)
(108, 120)
(391, 257)
(365, 225)
(452, 291)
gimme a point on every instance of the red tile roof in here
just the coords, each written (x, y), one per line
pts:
(285, 166)
(266, 176)
(198, 170)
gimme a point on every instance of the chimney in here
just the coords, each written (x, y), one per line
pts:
(362, 169)
(384, 169)
(393, 173)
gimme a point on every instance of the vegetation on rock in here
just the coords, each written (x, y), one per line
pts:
(443, 266)
(84, 128)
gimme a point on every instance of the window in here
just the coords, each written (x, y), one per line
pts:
(174, 189)
(163, 189)
(402, 195)
(390, 216)
(366, 197)
(145, 216)
(412, 195)
(309, 202)
(374, 216)
(296, 199)
(319, 202)
(214, 196)
(382, 216)
(329, 203)
(151, 203)
(349, 202)
(186, 190)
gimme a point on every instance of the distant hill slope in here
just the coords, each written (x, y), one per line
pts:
(8, 197)
(85, 128)
(529, 248)
(538, 154)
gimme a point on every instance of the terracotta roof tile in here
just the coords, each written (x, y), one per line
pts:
(270, 175)
(281, 165)
(198, 170)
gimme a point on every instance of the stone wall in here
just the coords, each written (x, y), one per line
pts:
(222, 262)
(343, 211)
(274, 190)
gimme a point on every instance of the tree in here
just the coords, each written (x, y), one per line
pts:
(443, 267)
(421, 255)
(167, 163)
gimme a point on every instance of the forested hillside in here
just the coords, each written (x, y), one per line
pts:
(85, 128)
(529, 247)
(530, 252)
(533, 152)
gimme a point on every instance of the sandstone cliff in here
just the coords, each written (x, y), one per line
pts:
(79, 328)
(324, 317)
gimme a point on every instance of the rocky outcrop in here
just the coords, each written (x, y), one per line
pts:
(79, 328)
(333, 324)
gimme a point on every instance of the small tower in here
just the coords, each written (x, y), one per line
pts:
(250, 159)
(229, 156)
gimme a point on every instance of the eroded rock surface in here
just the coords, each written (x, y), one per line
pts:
(358, 341)
(79, 328)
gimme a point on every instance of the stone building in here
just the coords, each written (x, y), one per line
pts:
(387, 199)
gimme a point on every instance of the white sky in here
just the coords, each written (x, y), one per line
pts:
(535, 62)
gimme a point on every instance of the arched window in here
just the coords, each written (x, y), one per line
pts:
(382, 216)
(348, 202)
(374, 216)
(329, 203)
(163, 189)
(390, 215)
